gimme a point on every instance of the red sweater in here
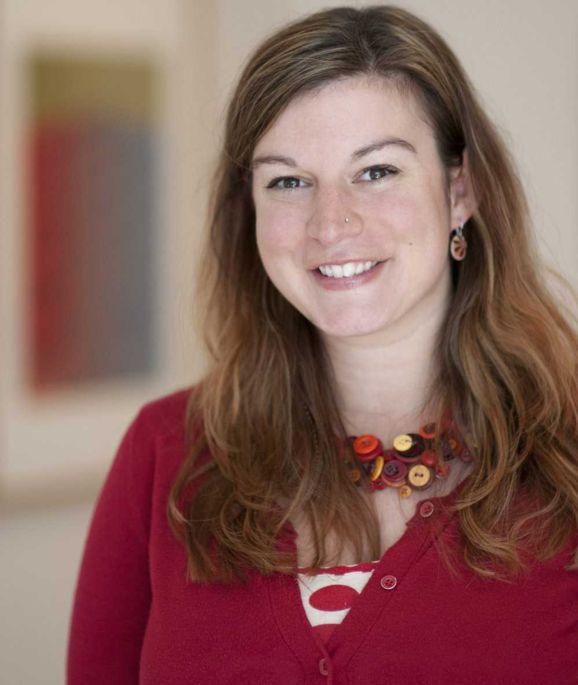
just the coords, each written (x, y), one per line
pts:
(137, 620)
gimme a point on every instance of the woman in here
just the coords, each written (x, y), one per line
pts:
(378, 480)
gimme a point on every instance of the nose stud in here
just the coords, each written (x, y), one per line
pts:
(346, 219)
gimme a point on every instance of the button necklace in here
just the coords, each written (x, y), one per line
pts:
(410, 464)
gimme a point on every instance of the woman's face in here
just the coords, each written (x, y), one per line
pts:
(353, 209)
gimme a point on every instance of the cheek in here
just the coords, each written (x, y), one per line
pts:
(277, 233)
(416, 218)
(396, 215)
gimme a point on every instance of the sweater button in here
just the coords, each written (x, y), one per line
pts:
(426, 509)
(323, 667)
(388, 582)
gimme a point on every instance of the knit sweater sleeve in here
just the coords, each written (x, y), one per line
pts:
(113, 593)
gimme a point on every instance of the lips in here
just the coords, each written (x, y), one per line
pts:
(341, 261)
(338, 280)
(346, 270)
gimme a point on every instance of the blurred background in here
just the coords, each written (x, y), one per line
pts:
(110, 119)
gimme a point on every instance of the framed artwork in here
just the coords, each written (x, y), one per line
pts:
(83, 277)
(92, 158)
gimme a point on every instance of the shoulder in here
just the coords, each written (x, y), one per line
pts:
(155, 440)
(165, 416)
(148, 457)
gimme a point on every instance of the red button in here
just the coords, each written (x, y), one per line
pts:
(429, 458)
(442, 470)
(388, 455)
(379, 484)
(388, 582)
(323, 667)
(426, 508)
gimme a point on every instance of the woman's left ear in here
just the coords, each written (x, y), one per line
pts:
(462, 200)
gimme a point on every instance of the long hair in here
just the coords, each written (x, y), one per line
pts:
(265, 415)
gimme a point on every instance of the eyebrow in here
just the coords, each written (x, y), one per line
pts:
(358, 154)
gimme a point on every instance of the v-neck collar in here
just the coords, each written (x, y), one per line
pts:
(396, 562)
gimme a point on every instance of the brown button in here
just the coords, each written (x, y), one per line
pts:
(426, 509)
(394, 470)
(447, 449)
(388, 582)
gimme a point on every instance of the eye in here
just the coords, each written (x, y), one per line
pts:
(286, 183)
(377, 173)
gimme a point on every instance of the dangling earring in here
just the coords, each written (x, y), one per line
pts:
(458, 244)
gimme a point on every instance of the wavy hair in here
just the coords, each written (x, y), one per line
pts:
(262, 423)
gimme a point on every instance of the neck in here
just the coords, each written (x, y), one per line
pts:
(384, 381)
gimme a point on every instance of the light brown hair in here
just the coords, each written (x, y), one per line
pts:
(265, 415)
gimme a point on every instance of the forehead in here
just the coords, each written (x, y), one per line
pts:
(345, 113)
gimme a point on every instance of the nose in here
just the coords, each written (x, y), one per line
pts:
(333, 217)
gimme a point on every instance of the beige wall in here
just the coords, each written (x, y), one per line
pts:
(521, 54)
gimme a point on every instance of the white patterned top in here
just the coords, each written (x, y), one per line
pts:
(329, 594)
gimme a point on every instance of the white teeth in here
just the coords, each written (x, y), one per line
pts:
(346, 270)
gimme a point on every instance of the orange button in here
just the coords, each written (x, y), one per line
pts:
(367, 447)
(365, 443)
(428, 431)
(355, 475)
(404, 491)
(453, 444)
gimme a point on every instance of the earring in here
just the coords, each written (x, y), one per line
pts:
(458, 244)
(346, 219)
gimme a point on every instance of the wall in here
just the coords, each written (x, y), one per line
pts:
(54, 454)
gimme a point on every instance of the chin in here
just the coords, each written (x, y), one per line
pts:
(346, 328)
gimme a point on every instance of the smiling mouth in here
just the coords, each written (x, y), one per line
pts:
(346, 270)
